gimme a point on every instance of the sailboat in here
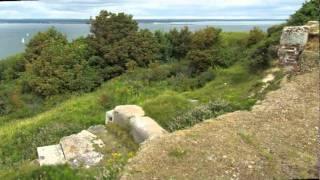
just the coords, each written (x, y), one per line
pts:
(22, 41)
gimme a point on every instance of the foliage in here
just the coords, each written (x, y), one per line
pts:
(165, 46)
(310, 11)
(199, 114)
(200, 61)
(256, 35)
(165, 106)
(108, 28)
(61, 68)
(11, 68)
(206, 38)
(181, 42)
(119, 46)
(41, 41)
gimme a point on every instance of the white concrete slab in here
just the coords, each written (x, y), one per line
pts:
(51, 155)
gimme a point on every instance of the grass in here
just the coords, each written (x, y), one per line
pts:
(20, 137)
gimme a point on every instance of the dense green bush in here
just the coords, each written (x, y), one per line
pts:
(119, 45)
(310, 11)
(181, 42)
(256, 35)
(206, 38)
(61, 68)
(200, 61)
(11, 67)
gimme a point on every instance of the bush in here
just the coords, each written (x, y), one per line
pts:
(256, 35)
(199, 114)
(166, 106)
(206, 38)
(11, 67)
(310, 11)
(61, 68)
(199, 61)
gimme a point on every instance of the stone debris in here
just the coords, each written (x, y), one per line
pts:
(145, 128)
(77, 149)
(50, 155)
(314, 27)
(123, 113)
(268, 78)
(80, 147)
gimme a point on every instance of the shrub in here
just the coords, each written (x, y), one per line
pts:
(61, 68)
(310, 11)
(166, 106)
(255, 36)
(199, 114)
(206, 38)
(199, 61)
(181, 42)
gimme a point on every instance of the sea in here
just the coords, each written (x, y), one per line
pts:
(15, 34)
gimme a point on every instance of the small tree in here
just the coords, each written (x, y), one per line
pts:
(181, 42)
(206, 38)
(199, 61)
(255, 36)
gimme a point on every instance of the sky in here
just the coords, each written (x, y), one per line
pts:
(150, 9)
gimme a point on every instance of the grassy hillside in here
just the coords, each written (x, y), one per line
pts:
(19, 138)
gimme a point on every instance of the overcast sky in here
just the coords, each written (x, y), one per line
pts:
(144, 9)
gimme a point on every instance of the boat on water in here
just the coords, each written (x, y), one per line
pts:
(22, 41)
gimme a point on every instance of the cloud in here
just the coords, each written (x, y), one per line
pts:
(151, 8)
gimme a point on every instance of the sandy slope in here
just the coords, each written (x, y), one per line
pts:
(277, 139)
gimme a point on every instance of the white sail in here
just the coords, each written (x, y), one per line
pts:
(22, 41)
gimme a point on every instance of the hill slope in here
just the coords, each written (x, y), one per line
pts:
(277, 139)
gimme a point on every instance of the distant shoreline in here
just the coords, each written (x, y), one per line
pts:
(87, 21)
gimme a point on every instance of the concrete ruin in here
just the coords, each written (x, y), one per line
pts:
(293, 41)
(82, 149)
(132, 117)
(76, 150)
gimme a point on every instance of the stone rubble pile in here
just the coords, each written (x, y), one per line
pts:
(77, 149)
(82, 149)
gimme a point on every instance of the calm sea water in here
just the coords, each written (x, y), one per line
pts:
(13, 35)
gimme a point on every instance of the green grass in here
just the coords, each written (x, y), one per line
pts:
(20, 137)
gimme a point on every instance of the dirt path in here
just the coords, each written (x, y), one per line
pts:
(277, 139)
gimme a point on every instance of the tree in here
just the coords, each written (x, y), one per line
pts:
(310, 11)
(41, 41)
(255, 36)
(165, 46)
(206, 38)
(61, 68)
(181, 42)
(108, 28)
(139, 48)
(199, 61)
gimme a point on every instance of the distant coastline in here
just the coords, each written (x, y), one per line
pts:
(86, 21)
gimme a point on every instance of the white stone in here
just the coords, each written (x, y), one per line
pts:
(144, 128)
(295, 35)
(50, 155)
(79, 148)
(268, 78)
(123, 113)
(109, 116)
